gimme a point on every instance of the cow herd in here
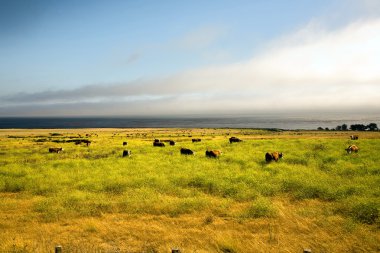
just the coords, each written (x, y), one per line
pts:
(273, 156)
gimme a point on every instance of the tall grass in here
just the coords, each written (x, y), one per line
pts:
(93, 181)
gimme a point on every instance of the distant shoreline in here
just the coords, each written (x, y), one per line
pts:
(238, 122)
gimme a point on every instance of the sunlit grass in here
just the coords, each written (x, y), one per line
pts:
(91, 182)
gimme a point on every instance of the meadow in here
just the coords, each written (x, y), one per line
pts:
(91, 199)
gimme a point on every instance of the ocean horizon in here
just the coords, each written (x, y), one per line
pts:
(229, 121)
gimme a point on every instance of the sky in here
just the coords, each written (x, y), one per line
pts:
(154, 58)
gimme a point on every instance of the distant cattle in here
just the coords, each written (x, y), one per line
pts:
(127, 153)
(235, 139)
(156, 140)
(213, 153)
(354, 137)
(186, 151)
(55, 150)
(168, 141)
(172, 143)
(352, 148)
(79, 141)
(273, 156)
(87, 142)
(196, 140)
(158, 144)
(125, 143)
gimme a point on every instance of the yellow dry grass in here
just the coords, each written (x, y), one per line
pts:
(299, 224)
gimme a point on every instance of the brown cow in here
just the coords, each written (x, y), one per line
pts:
(79, 141)
(55, 150)
(88, 142)
(352, 148)
(354, 137)
(213, 153)
(273, 156)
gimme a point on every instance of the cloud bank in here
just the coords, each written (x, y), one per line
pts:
(311, 69)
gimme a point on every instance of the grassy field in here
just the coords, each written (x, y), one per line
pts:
(91, 199)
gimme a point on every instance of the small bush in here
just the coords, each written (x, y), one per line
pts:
(41, 140)
(13, 185)
(114, 187)
(319, 147)
(261, 208)
(363, 211)
(208, 220)
(366, 212)
(50, 210)
(56, 134)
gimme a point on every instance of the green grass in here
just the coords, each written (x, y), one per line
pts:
(173, 184)
(93, 181)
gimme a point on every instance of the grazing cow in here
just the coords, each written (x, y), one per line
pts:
(213, 153)
(186, 151)
(352, 148)
(354, 137)
(156, 140)
(172, 143)
(196, 140)
(273, 156)
(158, 144)
(125, 143)
(127, 153)
(88, 142)
(55, 150)
(234, 139)
(79, 141)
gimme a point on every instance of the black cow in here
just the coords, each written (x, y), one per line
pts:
(186, 151)
(235, 139)
(55, 150)
(196, 140)
(127, 153)
(172, 143)
(158, 144)
(125, 143)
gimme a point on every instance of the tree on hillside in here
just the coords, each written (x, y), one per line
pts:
(344, 127)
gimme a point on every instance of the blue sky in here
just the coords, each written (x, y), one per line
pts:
(63, 58)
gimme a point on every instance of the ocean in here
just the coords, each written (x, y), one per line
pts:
(230, 121)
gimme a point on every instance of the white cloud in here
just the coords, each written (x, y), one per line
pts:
(312, 69)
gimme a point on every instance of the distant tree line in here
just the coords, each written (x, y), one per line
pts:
(354, 127)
